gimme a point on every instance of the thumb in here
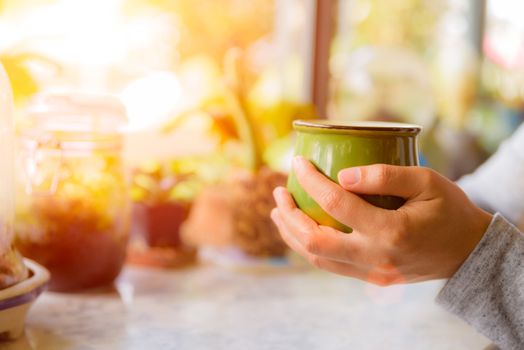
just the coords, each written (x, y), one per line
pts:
(390, 180)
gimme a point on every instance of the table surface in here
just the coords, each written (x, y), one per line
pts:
(212, 307)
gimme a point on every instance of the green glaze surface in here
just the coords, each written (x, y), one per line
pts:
(332, 147)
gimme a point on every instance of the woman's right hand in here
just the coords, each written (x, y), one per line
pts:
(429, 237)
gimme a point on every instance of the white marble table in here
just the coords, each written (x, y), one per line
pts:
(208, 307)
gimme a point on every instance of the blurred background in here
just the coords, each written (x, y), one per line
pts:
(210, 89)
(454, 66)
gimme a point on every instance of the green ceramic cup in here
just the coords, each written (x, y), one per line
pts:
(333, 146)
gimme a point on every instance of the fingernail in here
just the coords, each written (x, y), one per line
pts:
(348, 177)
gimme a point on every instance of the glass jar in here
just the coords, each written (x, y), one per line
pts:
(12, 269)
(72, 210)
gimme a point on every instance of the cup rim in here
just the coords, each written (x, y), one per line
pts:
(374, 126)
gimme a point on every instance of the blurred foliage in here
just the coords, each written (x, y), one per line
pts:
(504, 84)
(275, 121)
(239, 115)
(226, 33)
(226, 47)
(17, 5)
(249, 134)
(213, 26)
(22, 81)
(408, 23)
(178, 180)
(493, 121)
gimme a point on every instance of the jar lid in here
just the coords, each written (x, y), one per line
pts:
(76, 113)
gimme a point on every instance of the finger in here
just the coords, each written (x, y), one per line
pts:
(344, 206)
(335, 245)
(327, 242)
(340, 268)
(287, 205)
(323, 241)
(287, 236)
(382, 179)
(378, 275)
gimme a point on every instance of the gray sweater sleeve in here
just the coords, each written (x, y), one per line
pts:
(488, 289)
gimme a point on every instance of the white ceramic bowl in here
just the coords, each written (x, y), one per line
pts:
(16, 300)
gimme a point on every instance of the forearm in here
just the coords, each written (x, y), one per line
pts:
(498, 184)
(488, 289)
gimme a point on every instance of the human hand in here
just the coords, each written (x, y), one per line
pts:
(429, 237)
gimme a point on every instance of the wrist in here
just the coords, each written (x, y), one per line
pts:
(479, 225)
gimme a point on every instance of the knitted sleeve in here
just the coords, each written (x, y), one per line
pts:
(488, 289)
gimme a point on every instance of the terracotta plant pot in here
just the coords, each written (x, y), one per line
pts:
(159, 224)
(155, 237)
(237, 214)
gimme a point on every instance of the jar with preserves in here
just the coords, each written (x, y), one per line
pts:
(72, 208)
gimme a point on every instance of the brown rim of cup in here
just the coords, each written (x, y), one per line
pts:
(357, 126)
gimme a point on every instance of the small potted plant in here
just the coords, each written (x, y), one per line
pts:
(234, 213)
(162, 195)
